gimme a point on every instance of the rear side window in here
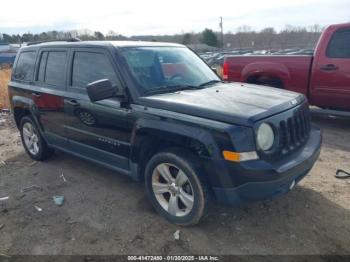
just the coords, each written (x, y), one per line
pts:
(89, 67)
(42, 67)
(339, 46)
(25, 66)
(52, 68)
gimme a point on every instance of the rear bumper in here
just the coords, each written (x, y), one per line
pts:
(280, 175)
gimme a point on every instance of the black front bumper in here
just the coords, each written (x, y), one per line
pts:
(257, 180)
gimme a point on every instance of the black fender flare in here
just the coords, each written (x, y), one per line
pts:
(28, 104)
(159, 127)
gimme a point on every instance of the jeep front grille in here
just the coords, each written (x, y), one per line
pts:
(294, 131)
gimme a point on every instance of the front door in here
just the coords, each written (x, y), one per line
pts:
(101, 130)
(330, 84)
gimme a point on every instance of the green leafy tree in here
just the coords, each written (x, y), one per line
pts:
(187, 39)
(28, 37)
(7, 38)
(209, 37)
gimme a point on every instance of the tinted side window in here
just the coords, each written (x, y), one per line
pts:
(339, 46)
(55, 68)
(42, 67)
(25, 66)
(89, 67)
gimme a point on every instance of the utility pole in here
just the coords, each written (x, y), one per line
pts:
(222, 32)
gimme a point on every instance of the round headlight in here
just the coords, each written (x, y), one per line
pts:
(265, 137)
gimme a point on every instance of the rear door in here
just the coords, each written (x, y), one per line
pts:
(50, 86)
(101, 130)
(330, 84)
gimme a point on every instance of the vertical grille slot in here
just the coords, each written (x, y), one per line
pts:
(293, 131)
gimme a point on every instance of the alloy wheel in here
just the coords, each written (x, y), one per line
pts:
(172, 189)
(31, 139)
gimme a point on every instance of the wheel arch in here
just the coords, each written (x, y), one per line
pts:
(266, 73)
(22, 106)
(152, 136)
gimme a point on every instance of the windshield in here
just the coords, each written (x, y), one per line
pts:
(167, 69)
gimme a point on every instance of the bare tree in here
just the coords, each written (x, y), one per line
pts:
(243, 36)
(266, 37)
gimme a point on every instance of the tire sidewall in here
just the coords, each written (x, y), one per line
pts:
(28, 119)
(192, 173)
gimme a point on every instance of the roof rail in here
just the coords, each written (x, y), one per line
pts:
(73, 39)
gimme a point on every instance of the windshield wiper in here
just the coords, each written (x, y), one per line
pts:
(170, 89)
(210, 83)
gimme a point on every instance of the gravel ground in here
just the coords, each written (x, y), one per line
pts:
(107, 213)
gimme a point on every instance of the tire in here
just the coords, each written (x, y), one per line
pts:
(183, 197)
(41, 150)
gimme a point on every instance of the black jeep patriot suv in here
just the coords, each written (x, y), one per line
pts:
(157, 113)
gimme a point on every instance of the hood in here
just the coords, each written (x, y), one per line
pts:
(233, 103)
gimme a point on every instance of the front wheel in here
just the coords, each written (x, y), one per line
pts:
(176, 187)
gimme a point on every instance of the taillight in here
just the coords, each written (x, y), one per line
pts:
(225, 71)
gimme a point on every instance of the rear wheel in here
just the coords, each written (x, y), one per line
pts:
(175, 186)
(32, 141)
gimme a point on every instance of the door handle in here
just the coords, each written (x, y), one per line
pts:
(73, 102)
(36, 94)
(329, 67)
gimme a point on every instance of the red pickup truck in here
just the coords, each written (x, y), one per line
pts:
(324, 77)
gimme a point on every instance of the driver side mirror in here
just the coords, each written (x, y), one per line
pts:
(101, 89)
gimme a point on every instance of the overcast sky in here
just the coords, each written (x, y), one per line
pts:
(166, 16)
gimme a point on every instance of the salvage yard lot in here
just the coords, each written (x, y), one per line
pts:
(107, 213)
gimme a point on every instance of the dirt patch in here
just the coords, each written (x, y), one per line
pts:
(107, 213)
(10, 142)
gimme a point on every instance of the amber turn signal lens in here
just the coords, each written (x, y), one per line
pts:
(231, 156)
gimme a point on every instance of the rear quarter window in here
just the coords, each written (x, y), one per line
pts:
(25, 66)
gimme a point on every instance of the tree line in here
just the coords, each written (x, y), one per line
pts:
(243, 38)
